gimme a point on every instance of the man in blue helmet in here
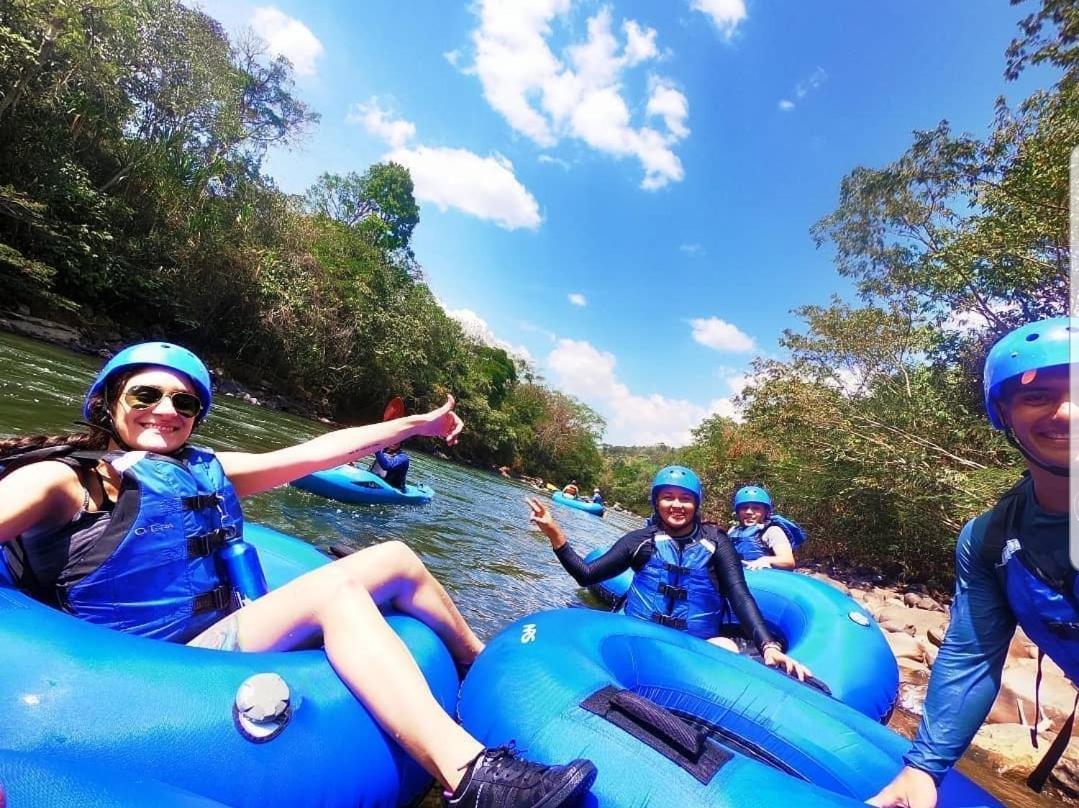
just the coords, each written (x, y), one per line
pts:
(1011, 562)
(685, 572)
(759, 541)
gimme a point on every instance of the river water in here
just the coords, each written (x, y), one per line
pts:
(474, 535)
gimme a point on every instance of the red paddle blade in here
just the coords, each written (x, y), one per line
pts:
(394, 409)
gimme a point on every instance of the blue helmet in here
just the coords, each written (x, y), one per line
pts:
(161, 354)
(1030, 347)
(752, 495)
(677, 477)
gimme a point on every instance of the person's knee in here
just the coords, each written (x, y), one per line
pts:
(725, 643)
(403, 560)
(343, 585)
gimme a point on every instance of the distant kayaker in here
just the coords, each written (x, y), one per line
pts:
(391, 464)
(83, 527)
(597, 497)
(1011, 562)
(760, 542)
(685, 572)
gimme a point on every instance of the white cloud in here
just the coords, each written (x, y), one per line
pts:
(288, 37)
(476, 327)
(970, 322)
(577, 299)
(555, 161)
(452, 56)
(547, 98)
(810, 82)
(532, 328)
(484, 187)
(803, 88)
(692, 249)
(581, 370)
(378, 122)
(720, 335)
(725, 14)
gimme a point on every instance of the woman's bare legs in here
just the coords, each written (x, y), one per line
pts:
(340, 603)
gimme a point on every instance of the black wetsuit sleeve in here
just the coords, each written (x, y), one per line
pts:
(730, 580)
(614, 562)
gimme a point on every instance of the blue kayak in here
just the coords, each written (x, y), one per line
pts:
(670, 720)
(154, 711)
(819, 626)
(593, 508)
(361, 487)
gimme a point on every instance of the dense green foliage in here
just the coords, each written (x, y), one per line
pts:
(872, 431)
(132, 203)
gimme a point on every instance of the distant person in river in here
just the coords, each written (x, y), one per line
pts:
(73, 510)
(571, 490)
(1011, 563)
(391, 464)
(760, 541)
(685, 572)
(597, 497)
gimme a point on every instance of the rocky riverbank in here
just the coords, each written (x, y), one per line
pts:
(914, 624)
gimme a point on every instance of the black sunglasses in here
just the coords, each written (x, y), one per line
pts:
(144, 396)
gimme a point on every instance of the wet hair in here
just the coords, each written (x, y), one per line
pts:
(93, 437)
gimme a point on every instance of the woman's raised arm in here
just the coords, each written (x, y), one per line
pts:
(251, 473)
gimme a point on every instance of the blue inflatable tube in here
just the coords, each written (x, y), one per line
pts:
(593, 508)
(820, 627)
(146, 709)
(673, 721)
(29, 780)
(361, 487)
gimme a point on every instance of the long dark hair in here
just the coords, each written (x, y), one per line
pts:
(96, 432)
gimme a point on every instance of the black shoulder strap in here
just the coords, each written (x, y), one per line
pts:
(64, 452)
(1000, 517)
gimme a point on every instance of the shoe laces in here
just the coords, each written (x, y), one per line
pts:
(503, 763)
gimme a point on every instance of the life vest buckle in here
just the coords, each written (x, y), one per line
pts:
(202, 502)
(673, 592)
(671, 622)
(216, 600)
(208, 543)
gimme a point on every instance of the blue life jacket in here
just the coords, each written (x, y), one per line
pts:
(157, 575)
(1042, 592)
(747, 538)
(675, 587)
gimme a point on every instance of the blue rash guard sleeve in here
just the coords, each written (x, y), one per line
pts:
(966, 675)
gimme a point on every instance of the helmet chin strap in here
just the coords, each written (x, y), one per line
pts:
(1057, 471)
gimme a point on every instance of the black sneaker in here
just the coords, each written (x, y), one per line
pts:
(500, 779)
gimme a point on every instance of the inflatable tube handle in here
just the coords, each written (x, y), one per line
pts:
(667, 726)
(659, 729)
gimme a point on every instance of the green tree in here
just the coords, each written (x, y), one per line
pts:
(380, 202)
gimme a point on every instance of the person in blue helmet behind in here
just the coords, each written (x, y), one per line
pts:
(760, 541)
(1012, 562)
(75, 530)
(686, 573)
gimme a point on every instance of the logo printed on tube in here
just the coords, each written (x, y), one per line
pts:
(528, 632)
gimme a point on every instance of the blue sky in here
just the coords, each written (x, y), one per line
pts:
(622, 191)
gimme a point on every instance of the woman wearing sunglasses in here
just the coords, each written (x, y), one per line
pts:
(89, 523)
